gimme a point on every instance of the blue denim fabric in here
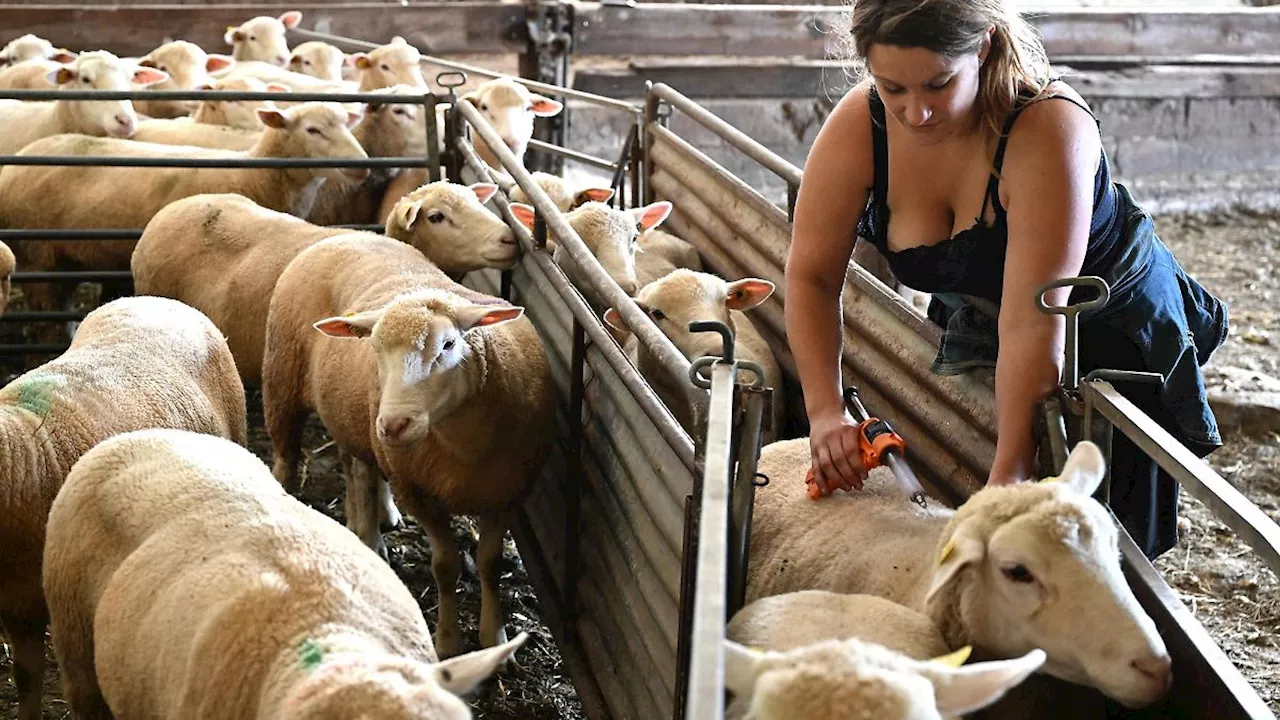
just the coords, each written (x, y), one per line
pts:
(1175, 323)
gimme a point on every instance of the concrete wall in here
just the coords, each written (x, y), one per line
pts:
(1174, 153)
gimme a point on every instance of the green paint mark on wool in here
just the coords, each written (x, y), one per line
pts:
(310, 654)
(36, 394)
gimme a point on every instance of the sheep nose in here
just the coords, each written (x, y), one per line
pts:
(1156, 668)
(282, 60)
(628, 286)
(393, 428)
(127, 124)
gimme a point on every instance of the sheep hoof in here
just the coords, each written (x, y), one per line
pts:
(447, 643)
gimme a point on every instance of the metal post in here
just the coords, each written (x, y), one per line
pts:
(573, 491)
(549, 24)
(743, 493)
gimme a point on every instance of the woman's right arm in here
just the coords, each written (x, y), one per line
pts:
(833, 192)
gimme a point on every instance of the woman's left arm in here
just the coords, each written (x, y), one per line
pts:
(1047, 183)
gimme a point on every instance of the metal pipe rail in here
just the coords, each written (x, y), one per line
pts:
(1244, 518)
(706, 655)
(482, 72)
(583, 158)
(105, 235)
(232, 95)
(225, 163)
(655, 341)
(648, 400)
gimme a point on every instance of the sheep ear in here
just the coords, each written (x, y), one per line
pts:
(407, 213)
(460, 675)
(149, 76)
(355, 325)
(273, 118)
(277, 87)
(613, 319)
(348, 60)
(214, 63)
(484, 191)
(747, 293)
(962, 549)
(474, 316)
(965, 689)
(362, 61)
(524, 213)
(63, 56)
(593, 195)
(291, 19)
(233, 36)
(1084, 470)
(546, 107)
(651, 216)
(742, 666)
(61, 76)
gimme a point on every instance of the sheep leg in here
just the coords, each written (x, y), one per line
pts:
(493, 528)
(389, 517)
(362, 504)
(73, 647)
(446, 567)
(284, 425)
(27, 639)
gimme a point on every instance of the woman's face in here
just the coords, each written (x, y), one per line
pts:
(930, 95)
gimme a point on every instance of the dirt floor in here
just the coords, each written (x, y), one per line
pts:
(1236, 255)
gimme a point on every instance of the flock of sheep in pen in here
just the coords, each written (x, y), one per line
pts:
(179, 577)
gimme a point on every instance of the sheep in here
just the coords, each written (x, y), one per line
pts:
(837, 679)
(124, 197)
(685, 296)
(286, 614)
(183, 131)
(188, 68)
(319, 60)
(223, 254)
(135, 363)
(396, 63)
(269, 73)
(658, 253)
(262, 38)
(26, 122)
(451, 399)
(241, 114)
(610, 234)
(1015, 567)
(565, 197)
(29, 75)
(7, 266)
(793, 620)
(30, 47)
(386, 130)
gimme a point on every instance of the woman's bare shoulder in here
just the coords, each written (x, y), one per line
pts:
(843, 144)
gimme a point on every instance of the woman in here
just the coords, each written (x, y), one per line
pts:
(976, 175)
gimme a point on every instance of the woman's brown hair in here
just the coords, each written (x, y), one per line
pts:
(1016, 65)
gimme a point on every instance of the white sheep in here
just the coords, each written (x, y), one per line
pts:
(565, 197)
(510, 108)
(223, 254)
(683, 297)
(319, 60)
(262, 38)
(1032, 565)
(183, 582)
(841, 679)
(31, 47)
(188, 68)
(269, 73)
(386, 130)
(658, 253)
(610, 234)
(30, 75)
(26, 122)
(396, 63)
(450, 398)
(137, 362)
(184, 131)
(796, 619)
(7, 266)
(242, 114)
(127, 197)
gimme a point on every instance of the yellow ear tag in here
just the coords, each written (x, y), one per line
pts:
(1054, 478)
(955, 659)
(946, 551)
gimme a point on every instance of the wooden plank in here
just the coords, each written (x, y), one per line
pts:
(708, 79)
(804, 31)
(453, 27)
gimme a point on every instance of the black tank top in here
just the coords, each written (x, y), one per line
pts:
(971, 262)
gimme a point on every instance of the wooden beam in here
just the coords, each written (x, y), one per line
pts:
(803, 31)
(812, 79)
(437, 28)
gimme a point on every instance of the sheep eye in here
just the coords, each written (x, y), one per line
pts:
(253, 37)
(484, 107)
(435, 216)
(448, 344)
(386, 68)
(85, 80)
(314, 131)
(1019, 574)
(657, 314)
(399, 111)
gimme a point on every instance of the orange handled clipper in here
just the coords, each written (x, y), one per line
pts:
(878, 445)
